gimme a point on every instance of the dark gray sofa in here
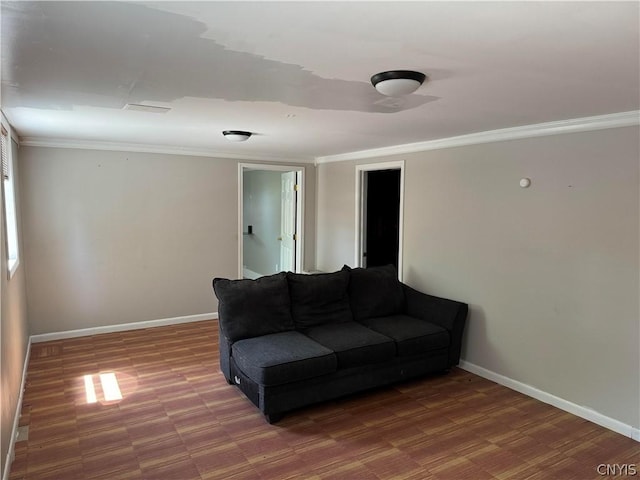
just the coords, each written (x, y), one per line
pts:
(289, 340)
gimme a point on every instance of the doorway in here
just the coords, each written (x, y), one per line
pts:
(270, 210)
(379, 215)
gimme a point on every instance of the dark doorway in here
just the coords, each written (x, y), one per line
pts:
(381, 218)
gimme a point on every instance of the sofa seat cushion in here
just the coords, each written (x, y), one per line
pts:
(353, 343)
(250, 308)
(319, 298)
(412, 335)
(282, 358)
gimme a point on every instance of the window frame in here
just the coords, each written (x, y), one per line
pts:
(10, 210)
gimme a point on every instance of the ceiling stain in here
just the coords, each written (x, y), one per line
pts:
(146, 56)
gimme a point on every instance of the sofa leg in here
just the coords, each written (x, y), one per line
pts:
(274, 417)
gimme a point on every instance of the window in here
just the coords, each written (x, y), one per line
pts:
(11, 220)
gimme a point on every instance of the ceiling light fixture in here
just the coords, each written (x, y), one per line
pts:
(395, 83)
(236, 135)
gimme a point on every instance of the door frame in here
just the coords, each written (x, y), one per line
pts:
(360, 208)
(300, 203)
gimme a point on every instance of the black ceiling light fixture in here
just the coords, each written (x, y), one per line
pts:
(236, 135)
(395, 83)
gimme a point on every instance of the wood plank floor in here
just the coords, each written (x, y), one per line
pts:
(179, 419)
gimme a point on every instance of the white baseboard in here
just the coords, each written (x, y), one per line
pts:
(84, 332)
(562, 404)
(16, 417)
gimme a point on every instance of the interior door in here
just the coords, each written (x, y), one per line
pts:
(270, 219)
(381, 223)
(288, 235)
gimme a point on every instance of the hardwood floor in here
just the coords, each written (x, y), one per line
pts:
(179, 419)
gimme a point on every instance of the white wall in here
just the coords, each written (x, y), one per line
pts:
(550, 272)
(262, 204)
(117, 237)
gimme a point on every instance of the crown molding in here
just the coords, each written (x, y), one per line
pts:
(144, 148)
(585, 124)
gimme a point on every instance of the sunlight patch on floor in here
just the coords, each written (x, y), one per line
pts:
(90, 389)
(109, 387)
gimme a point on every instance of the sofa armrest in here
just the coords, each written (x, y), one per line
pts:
(446, 313)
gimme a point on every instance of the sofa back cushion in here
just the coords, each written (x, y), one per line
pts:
(375, 292)
(319, 298)
(251, 308)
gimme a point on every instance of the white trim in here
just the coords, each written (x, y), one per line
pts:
(300, 208)
(561, 403)
(11, 207)
(360, 169)
(144, 148)
(586, 124)
(84, 332)
(16, 418)
(12, 266)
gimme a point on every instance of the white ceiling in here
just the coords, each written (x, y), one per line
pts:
(297, 74)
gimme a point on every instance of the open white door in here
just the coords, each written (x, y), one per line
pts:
(288, 235)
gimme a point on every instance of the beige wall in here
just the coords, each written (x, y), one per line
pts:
(550, 272)
(14, 330)
(117, 237)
